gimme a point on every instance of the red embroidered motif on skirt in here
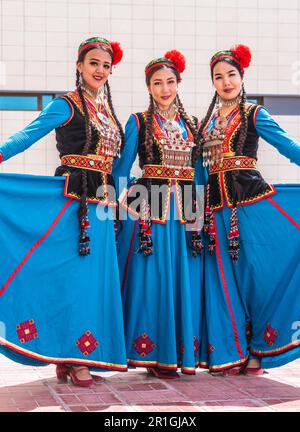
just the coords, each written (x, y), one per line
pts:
(143, 345)
(270, 335)
(27, 331)
(196, 346)
(210, 348)
(87, 343)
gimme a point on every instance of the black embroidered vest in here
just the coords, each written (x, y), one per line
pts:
(237, 177)
(71, 138)
(158, 177)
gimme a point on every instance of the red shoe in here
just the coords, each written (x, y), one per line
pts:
(78, 382)
(232, 372)
(62, 372)
(159, 373)
(254, 371)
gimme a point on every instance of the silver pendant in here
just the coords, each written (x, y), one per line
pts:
(103, 118)
(171, 126)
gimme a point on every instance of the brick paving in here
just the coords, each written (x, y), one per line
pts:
(25, 388)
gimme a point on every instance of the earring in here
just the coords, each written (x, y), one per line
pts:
(80, 80)
(218, 103)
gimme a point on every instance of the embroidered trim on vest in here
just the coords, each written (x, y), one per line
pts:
(72, 111)
(159, 171)
(233, 163)
(90, 199)
(89, 162)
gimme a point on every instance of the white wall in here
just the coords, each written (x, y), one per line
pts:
(39, 40)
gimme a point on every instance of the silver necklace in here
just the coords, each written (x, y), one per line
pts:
(166, 113)
(231, 102)
(99, 96)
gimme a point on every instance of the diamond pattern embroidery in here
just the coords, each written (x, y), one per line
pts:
(270, 335)
(27, 331)
(143, 345)
(196, 346)
(210, 348)
(87, 343)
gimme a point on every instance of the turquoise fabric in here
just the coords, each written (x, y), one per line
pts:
(44, 279)
(259, 293)
(162, 293)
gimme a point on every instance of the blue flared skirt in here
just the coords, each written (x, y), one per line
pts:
(253, 306)
(162, 296)
(55, 305)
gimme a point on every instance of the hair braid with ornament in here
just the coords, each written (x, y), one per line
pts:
(244, 124)
(110, 103)
(240, 144)
(83, 200)
(205, 120)
(149, 131)
(193, 128)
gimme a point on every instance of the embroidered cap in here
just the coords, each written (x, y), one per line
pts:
(241, 54)
(173, 59)
(113, 47)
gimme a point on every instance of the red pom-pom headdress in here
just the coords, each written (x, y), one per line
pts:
(172, 59)
(241, 54)
(117, 52)
(177, 58)
(94, 42)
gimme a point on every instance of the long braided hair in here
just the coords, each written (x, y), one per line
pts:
(88, 131)
(193, 128)
(150, 113)
(110, 103)
(83, 209)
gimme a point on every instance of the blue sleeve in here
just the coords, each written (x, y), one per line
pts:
(201, 173)
(268, 129)
(55, 114)
(122, 166)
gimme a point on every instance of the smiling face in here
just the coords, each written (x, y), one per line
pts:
(163, 87)
(227, 80)
(95, 68)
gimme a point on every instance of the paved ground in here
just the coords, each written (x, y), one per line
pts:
(24, 388)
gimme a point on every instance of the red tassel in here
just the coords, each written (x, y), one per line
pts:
(233, 236)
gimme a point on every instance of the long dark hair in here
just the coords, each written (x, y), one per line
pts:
(83, 209)
(150, 112)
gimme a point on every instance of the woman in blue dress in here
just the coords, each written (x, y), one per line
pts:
(252, 272)
(60, 299)
(159, 246)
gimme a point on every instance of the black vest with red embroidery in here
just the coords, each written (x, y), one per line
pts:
(71, 138)
(184, 188)
(244, 185)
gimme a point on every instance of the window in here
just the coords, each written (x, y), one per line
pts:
(258, 100)
(288, 105)
(25, 101)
